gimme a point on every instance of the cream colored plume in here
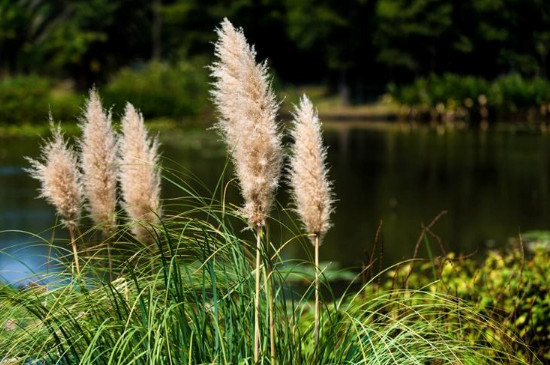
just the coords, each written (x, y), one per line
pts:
(247, 106)
(311, 188)
(139, 173)
(98, 161)
(59, 176)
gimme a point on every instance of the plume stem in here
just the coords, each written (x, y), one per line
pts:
(75, 252)
(268, 287)
(257, 297)
(316, 330)
(271, 323)
(110, 260)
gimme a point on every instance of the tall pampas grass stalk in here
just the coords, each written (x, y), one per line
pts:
(98, 162)
(139, 174)
(311, 188)
(247, 107)
(60, 181)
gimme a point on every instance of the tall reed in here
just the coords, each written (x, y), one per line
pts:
(60, 180)
(311, 188)
(98, 162)
(247, 107)
(139, 174)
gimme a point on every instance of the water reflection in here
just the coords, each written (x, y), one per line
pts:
(493, 184)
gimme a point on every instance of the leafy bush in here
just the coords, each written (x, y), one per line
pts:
(513, 93)
(27, 99)
(510, 93)
(448, 89)
(506, 286)
(160, 90)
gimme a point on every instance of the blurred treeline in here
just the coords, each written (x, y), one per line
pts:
(354, 47)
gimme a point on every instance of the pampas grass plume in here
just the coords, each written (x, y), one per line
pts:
(311, 189)
(247, 107)
(139, 174)
(60, 179)
(98, 161)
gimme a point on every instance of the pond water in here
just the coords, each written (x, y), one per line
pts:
(493, 184)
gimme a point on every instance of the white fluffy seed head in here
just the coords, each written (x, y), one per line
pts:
(139, 173)
(60, 179)
(248, 109)
(308, 174)
(98, 162)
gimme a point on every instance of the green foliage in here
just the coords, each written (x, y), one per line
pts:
(160, 90)
(78, 39)
(27, 99)
(514, 93)
(448, 89)
(363, 43)
(508, 287)
(423, 23)
(510, 93)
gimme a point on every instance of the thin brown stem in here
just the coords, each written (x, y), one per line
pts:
(419, 241)
(257, 298)
(75, 253)
(316, 331)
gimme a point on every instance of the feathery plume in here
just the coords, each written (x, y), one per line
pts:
(60, 181)
(310, 185)
(98, 161)
(247, 107)
(139, 174)
(308, 175)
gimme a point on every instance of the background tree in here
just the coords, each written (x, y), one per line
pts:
(355, 47)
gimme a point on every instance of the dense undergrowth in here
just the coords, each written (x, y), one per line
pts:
(509, 286)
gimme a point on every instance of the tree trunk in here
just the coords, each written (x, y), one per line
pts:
(344, 89)
(156, 29)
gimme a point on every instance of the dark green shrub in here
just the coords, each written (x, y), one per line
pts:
(449, 89)
(24, 99)
(513, 93)
(160, 90)
(507, 94)
(508, 287)
(27, 99)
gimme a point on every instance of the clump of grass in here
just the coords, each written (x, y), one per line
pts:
(309, 181)
(194, 304)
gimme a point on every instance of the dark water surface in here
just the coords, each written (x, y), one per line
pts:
(494, 184)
